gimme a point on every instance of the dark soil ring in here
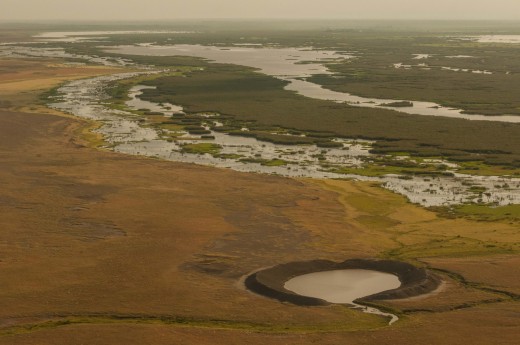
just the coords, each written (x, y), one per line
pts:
(270, 282)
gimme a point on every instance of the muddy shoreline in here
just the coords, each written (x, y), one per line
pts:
(270, 282)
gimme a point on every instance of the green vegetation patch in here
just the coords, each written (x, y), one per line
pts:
(202, 148)
(248, 96)
(274, 138)
(451, 247)
(264, 162)
(480, 168)
(385, 165)
(401, 104)
(275, 163)
(386, 67)
(482, 212)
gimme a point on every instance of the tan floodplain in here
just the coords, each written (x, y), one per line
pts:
(102, 248)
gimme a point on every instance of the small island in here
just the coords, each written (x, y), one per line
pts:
(397, 104)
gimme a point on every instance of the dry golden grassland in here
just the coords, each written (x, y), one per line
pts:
(23, 80)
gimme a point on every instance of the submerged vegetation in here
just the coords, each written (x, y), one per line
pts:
(201, 148)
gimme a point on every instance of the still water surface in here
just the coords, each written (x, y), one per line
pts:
(345, 286)
(342, 286)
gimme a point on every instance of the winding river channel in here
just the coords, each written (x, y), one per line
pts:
(293, 64)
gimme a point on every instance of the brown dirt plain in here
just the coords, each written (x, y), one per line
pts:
(103, 248)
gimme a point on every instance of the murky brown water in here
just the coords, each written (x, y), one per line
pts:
(510, 39)
(345, 286)
(342, 286)
(93, 36)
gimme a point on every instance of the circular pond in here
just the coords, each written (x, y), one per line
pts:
(356, 282)
(404, 280)
(342, 286)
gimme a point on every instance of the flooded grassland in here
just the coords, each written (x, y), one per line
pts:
(198, 138)
(165, 130)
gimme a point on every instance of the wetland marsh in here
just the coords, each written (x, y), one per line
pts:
(125, 133)
(140, 130)
(294, 66)
(262, 157)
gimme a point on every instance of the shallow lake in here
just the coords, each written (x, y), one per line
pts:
(345, 286)
(342, 286)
